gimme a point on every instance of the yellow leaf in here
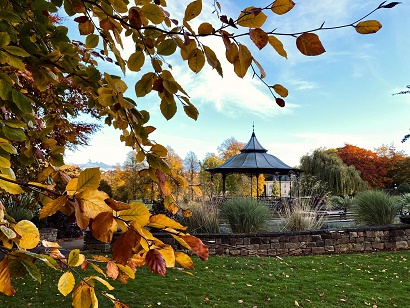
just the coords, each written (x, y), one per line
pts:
(9, 233)
(212, 59)
(259, 37)
(127, 270)
(205, 28)
(243, 62)
(53, 206)
(71, 187)
(196, 61)
(168, 254)
(232, 53)
(161, 221)
(262, 71)
(368, 26)
(82, 295)
(4, 162)
(30, 236)
(89, 179)
(5, 283)
(120, 87)
(136, 61)
(153, 12)
(309, 44)
(197, 190)
(66, 283)
(92, 202)
(193, 10)
(104, 282)
(281, 90)
(184, 260)
(278, 46)
(252, 17)
(75, 258)
(9, 187)
(138, 212)
(281, 7)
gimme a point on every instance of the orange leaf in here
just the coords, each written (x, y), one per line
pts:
(281, 90)
(103, 227)
(5, 284)
(112, 270)
(309, 44)
(259, 37)
(117, 205)
(118, 304)
(155, 262)
(187, 213)
(123, 245)
(197, 246)
(170, 205)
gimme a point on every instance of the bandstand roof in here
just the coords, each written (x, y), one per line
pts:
(254, 160)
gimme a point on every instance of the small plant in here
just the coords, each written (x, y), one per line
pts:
(375, 208)
(245, 215)
(301, 216)
(20, 207)
(341, 203)
(404, 202)
(204, 218)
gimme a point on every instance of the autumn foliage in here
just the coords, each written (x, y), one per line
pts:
(62, 80)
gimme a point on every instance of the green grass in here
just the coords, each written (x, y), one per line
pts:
(354, 280)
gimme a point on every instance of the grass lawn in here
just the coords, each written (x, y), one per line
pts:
(354, 280)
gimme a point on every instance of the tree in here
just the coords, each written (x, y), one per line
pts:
(32, 43)
(230, 147)
(376, 168)
(192, 167)
(210, 188)
(327, 166)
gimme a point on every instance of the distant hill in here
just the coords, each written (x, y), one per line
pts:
(91, 164)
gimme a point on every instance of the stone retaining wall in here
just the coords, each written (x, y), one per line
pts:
(328, 241)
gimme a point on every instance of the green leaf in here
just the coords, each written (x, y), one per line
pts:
(166, 47)
(4, 39)
(153, 12)
(136, 61)
(8, 148)
(17, 51)
(22, 101)
(92, 41)
(5, 89)
(168, 110)
(9, 16)
(12, 61)
(144, 85)
(32, 269)
(15, 134)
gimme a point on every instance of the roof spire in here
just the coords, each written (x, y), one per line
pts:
(253, 126)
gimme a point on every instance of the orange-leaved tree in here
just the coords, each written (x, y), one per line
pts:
(34, 44)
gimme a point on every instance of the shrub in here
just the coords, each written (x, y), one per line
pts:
(301, 216)
(375, 208)
(245, 215)
(204, 218)
(20, 207)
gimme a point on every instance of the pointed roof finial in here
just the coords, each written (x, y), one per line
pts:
(253, 126)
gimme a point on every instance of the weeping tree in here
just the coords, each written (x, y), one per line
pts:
(327, 166)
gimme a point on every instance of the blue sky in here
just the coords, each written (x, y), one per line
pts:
(342, 96)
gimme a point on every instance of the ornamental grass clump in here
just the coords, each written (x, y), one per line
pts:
(204, 218)
(245, 215)
(375, 208)
(301, 216)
